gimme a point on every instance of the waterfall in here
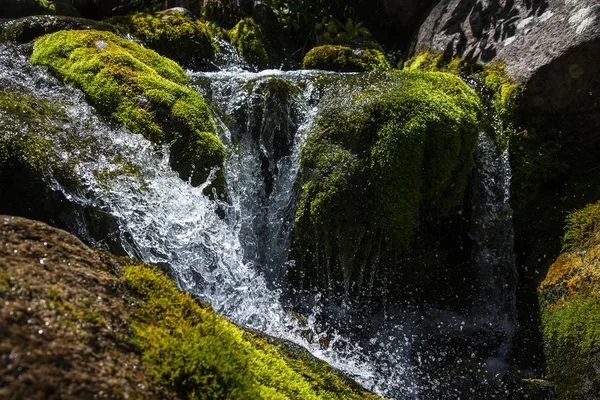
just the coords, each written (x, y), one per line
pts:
(231, 253)
(492, 232)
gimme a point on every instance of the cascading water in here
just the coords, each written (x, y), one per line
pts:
(164, 221)
(233, 253)
(492, 230)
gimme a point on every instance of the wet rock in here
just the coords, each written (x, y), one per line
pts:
(538, 389)
(24, 30)
(81, 323)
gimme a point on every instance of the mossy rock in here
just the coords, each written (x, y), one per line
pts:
(142, 90)
(172, 33)
(70, 313)
(24, 8)
(343, 59)
(247, 36)
(24, 30)
(30, 165)
(570, 306)
(390, 154)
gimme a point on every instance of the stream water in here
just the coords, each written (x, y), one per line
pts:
(233, 254)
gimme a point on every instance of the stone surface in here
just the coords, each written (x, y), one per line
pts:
(550, 45)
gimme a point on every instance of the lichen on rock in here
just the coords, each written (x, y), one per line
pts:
(142, 90)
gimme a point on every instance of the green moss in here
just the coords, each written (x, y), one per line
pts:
(397, 155)
(581, 225)
(437, 62)
(201, 355)
(506, 95)
(572, 344)
(343, 59)
(248, 38)
(23, 149)
(172, 34)
(140, 89)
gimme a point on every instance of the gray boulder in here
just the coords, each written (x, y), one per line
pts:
(552, 46)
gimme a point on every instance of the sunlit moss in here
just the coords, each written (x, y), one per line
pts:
(396, 154)
(343, 59)
(581, 225)
(142, 90)
(201, 355)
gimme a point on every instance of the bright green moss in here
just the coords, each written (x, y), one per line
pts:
(248, 38)
(390, 152)
(201, 355)
(140, 89)
(436, 62)
(506, 94)
(172, 34)
(572, 344)
(414, 141)
(581, 225)
(343, 59)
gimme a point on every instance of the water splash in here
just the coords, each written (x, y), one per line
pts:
(156, 217)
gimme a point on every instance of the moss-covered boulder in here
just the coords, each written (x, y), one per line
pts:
(173, 33)
(388, 159)
(247, 36)
(76, 322)
(570, 306)
(343, 59)
(24, 30)
(30, 165)
(142, 90)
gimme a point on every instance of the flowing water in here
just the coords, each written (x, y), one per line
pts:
(233, 254)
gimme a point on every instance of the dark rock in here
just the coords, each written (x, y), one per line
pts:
(23, 8)
(538, 389)
(406, 13)
(24, 30)
(551, 46)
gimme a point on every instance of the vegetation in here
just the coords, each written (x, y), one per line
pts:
(24, 30)
(344, 59)
(397, 154)
(570, 306)
(23, 149)
(581, 225)
(247, 36)
(142, 90)
(171, 33)
(199, 354)
(91, 314)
